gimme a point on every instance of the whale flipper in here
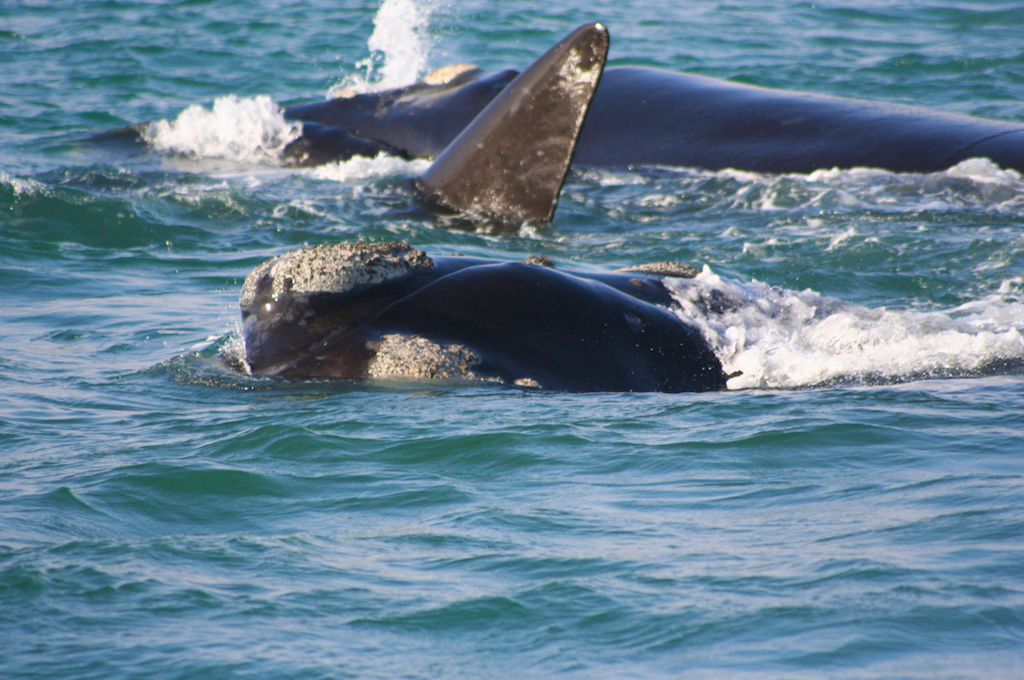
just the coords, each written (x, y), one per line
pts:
(510, 163)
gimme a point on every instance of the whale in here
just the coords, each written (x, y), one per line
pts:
(646, 117)
(503, 167)
(651, 117)
(360, 310)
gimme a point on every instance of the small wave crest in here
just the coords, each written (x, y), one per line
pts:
(19, 186)
(779, 338)
(244, 130)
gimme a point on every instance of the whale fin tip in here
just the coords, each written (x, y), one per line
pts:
(509, 164)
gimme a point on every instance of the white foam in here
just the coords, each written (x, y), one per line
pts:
(615, 177)
(359, 168)
(21, 186)
(786, 339)
(399, 46)
(245, 130)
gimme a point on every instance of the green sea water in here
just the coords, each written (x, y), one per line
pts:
(852, 507)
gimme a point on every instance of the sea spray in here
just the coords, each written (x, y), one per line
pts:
(399, 46)
(253, 130)
(246, 130)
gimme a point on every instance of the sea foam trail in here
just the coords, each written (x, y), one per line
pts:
(779, 338)
(359, 168)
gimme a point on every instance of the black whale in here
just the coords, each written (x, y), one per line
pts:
(358, 310)
(644, 116)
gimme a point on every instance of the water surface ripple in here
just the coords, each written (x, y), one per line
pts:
(852, 507)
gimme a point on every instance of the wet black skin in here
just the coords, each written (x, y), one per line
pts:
(644, 116)
(651, 117)
(418, 121)
(574, 331)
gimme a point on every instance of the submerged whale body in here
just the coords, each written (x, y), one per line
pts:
(361, 310)
(646, 116)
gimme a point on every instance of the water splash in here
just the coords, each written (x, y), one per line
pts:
(785, 339)
(249, 130)
(398, 46)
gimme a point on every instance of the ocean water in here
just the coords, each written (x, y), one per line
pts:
(852, 507)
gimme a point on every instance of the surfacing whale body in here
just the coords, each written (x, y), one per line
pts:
(386, 310)
(360, 310)
(645, 116)
(651, 117)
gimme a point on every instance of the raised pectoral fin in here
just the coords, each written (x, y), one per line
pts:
(511, 161)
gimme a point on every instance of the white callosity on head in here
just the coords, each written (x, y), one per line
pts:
(409, 356)
(335, 268)
(540, 261)
(678, 269)
(447, 74)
